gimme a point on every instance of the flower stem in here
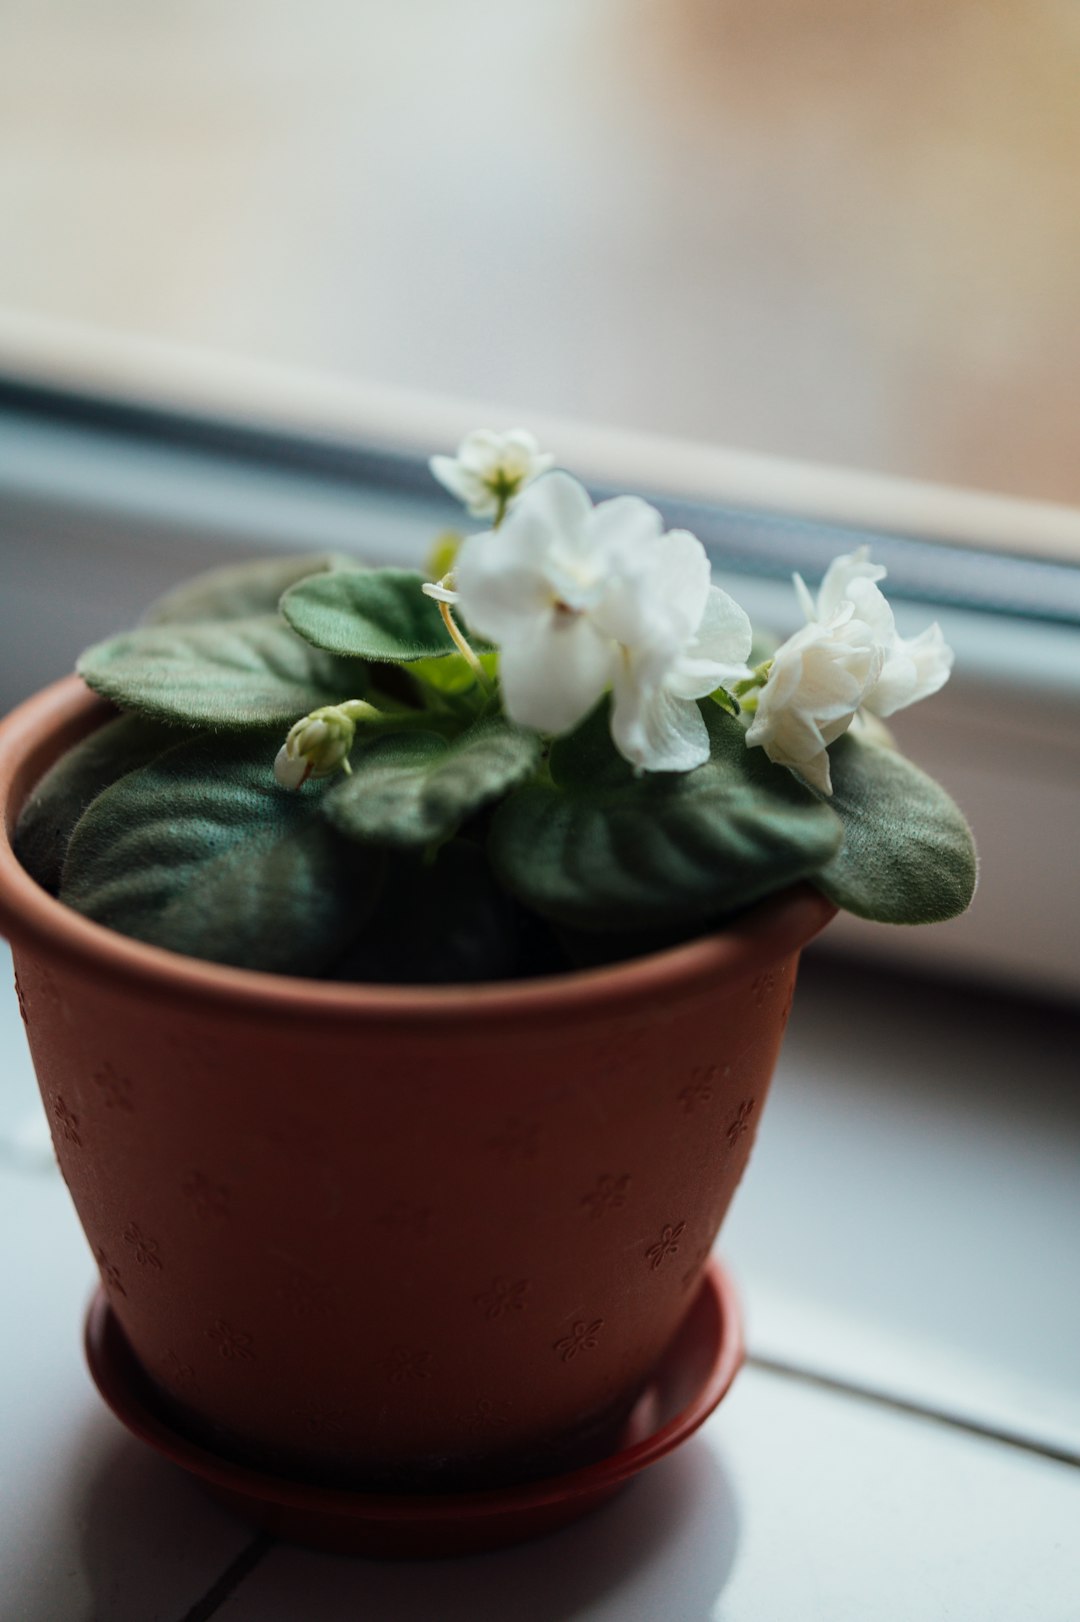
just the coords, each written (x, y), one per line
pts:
(358, 709)
(463, 648)
(758, 679)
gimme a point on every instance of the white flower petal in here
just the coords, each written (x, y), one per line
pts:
(912, 670)
(453, 477)
(554, 671)
(872, 607)
(818, 679)
(718, 653)
(653, 728)
(558, 505)
(908, 670)
(625, 526)
(684, 581)
(806, 601)
(840, 575)
(659, 585)
(500, 580)
(480, 451)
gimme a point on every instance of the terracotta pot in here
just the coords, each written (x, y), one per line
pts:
(393, 1237)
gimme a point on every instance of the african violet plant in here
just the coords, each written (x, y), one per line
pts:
(563, 751)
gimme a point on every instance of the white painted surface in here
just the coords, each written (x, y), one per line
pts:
(93, 1528)
(793, 1505)
(911, 1213)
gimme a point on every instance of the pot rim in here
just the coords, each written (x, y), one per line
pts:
(39, 731)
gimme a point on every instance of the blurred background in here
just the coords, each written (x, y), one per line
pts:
(846, 231)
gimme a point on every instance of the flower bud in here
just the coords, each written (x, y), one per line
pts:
(317, 746)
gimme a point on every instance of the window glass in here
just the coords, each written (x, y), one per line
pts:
(839, 232)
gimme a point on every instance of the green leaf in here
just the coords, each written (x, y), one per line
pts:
(452, 675)
(379, 614)
(601, 849)
(231, 673)
(444, 922)
(201, 852)
(908, 856)
(413, 788)
(59, 800)
(239, 591)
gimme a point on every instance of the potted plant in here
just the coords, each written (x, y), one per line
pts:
(404, 964)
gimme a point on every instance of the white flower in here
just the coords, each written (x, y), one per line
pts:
(581, 598)
(490, 469)
(911, 669)
(679, 638)
(848, 657)
(818, 679)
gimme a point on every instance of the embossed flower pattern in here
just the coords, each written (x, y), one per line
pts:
(325, 1419)
(699, 1089)
(762, 986)
(489, 1414)
(505, 1296)
(178, 1373)
(609, 1194)
(582, 1338)
(66, 1120)
(304, 1296)
(110, 1273)
(740, 1123)
(403, 1365)
(206, 1198)
(114, 1088)
(667, 1244)
(233, 1344)
(146, 1249)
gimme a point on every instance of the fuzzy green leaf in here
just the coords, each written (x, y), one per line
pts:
(201, 852)
(55, 804)
(413, 788)
(230, 673)
(239, 591)
(908, 856)
(379, 614)
(601, 849)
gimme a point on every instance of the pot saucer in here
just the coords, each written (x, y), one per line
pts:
(693, 1376)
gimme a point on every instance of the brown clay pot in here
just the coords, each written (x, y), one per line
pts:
(393, 1237)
